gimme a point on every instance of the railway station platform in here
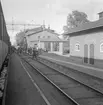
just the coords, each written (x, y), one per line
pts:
(20, 89)
(75, 64)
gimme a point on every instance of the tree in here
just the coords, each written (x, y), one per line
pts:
(76, 18)
(65, 28)
(21, 40)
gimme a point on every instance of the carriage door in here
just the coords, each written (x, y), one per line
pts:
(91, 58)
(85, 53)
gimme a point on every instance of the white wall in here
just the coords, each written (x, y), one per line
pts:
(31, 40)
(43, 35)
(95, 38)
(42, 45)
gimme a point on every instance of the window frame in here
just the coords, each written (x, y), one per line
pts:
(77, 47)
(38, 37)
(101, 49)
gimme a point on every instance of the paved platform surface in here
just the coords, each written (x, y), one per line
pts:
(74, 64)
(20, 89)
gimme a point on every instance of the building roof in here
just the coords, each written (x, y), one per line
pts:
(34, 31)
(53, 40)
(51, 31)
(49, 39)
(100, 12)
(86, 26)
(38, 30)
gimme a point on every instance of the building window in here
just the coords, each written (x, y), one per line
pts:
(48, 36)
(38, 37)
(77, 47)
(43, 36)
(101, 47)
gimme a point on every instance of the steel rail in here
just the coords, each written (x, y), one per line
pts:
(72, 78)
(74, 101)
(39, 90)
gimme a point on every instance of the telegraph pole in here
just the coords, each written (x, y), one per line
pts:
(12, 25)
(24, 25)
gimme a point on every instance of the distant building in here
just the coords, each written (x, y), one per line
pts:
(46, 39)
(86, 41)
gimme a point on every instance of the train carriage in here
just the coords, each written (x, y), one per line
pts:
(4, 38)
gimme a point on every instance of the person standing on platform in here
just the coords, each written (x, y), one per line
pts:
(35, 51)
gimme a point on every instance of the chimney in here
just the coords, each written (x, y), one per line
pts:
(43, 26)
(49, 27)
(100, 15)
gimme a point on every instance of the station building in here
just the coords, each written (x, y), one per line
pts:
(86, 42)
(46, 39)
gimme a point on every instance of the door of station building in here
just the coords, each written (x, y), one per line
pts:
(91, 53)
(85, 53)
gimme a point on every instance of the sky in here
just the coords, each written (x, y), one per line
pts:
(53, 12)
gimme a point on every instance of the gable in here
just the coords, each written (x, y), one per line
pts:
(34, 31)
(51, 35)
(43, 35)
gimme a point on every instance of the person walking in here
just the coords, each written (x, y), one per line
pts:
(35, 51)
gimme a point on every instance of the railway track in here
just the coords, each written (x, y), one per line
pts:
(89, 80)
(51, 94)
(75, 90)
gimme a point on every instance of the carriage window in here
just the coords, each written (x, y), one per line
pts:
(101, 47)
(77, 47)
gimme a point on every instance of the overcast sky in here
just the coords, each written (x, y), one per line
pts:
(54, 12)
